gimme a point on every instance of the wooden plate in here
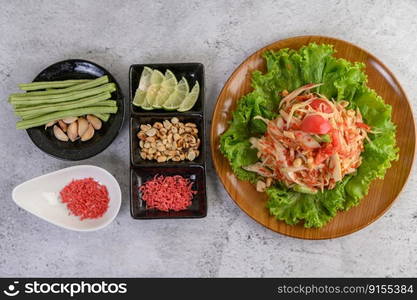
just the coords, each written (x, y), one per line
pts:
(382, 192)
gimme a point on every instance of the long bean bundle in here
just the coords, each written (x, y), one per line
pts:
(46, 102)
(99, 97)
(92, 101)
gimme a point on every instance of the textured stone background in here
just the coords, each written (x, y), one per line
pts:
(220, 34)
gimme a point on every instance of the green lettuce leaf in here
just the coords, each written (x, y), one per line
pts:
(289, 69)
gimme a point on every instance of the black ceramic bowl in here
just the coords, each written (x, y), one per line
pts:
(45, 139)
(191, 71)
(136, 121)
(196, 174)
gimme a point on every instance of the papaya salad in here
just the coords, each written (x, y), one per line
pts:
(311, 134)
(312, 143)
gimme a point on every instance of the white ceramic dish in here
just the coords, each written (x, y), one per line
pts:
(32, 196)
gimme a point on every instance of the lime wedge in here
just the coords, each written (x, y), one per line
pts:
(177, 96)
(145, 79)
(152, 93)
(190, 99)
(169, 76)
(167, 87)
(146, 105)
(139, 99)
(156, 79)
(144, 83)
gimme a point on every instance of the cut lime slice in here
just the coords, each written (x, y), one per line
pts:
(152, 93)
(146, 105)
(156, 79)
(190, 99)
(144, 83)
(145, 79)
(167, 87)
(169, 76)
(139, 99)
(177, 96)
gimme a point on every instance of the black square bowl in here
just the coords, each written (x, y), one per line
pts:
(191, 71)
(78, 150)
(195, 174)
(136, 121)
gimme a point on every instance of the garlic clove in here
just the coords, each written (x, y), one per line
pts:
(63, 125)
(59, 134)
(69, 120)
(96, 122)
(82, 126)
(88, 134)
(72, 131)
(50, 124)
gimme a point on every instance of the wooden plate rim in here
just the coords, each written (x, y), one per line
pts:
(216, 108)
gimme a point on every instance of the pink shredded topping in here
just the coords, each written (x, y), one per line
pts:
(167, 193)
(86, 198)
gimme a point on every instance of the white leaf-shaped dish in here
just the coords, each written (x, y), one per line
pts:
(39, 196)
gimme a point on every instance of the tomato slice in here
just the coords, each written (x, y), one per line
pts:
(315, 124)
(320, 103)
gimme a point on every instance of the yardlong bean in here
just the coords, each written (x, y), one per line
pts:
(99, 97)
(36, 100)
(25, 124)
(78, 87)
(40, 85)
(103, 117)
(91, 102)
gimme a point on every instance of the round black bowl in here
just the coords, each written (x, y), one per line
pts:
(45, 139)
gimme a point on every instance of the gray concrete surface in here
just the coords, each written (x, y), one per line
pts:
(220, 34)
